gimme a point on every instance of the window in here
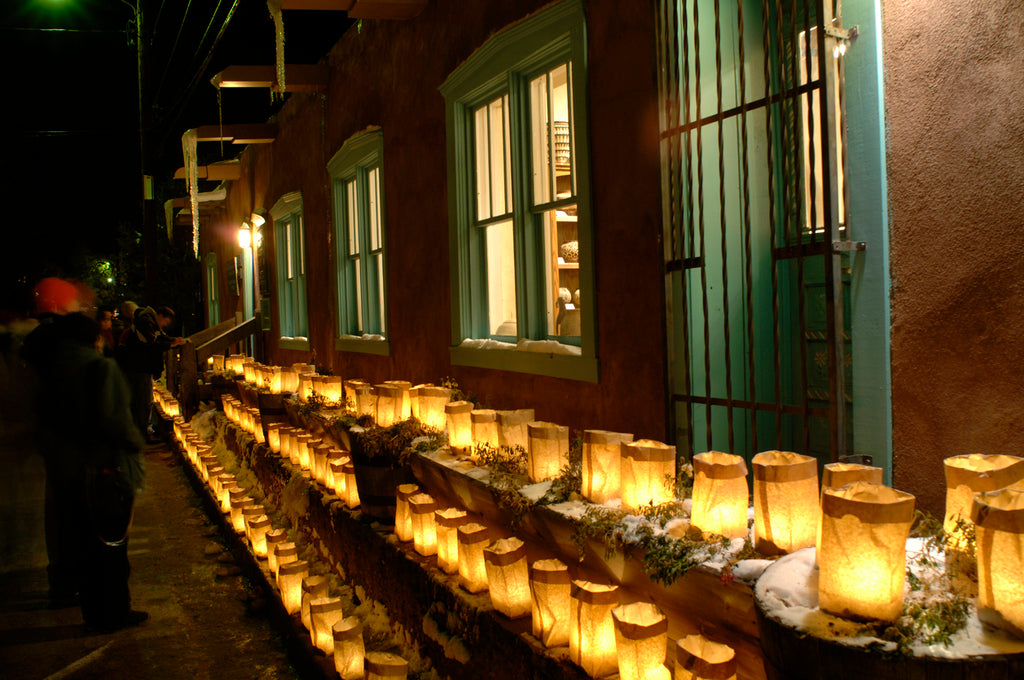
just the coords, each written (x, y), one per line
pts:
(212, 298)
(519, 186)
(289, 244)
(359, 243)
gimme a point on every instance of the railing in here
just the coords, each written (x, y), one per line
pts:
(183, 363)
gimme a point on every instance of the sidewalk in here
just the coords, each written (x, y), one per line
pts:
(206, 622)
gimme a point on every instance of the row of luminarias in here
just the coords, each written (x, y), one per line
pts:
(858, 526)
(301, 593)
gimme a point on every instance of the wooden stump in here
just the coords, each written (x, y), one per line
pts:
(792, 653)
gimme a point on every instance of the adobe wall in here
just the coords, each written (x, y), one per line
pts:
(388, 74)
(954, 102)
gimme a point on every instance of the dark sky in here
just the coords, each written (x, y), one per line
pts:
(71, 157)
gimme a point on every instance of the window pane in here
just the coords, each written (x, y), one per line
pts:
(493, 171)
(302, 246)
(351, 219)
(562, 275)
(501, 279)
(373, 190)
(380, 291)
(359, 294)
(288, 250)
(551, 135)
(811, 130)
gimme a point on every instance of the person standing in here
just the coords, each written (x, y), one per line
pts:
(141, 357)
(93, 466)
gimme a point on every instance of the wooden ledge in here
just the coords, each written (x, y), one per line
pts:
(298, 77)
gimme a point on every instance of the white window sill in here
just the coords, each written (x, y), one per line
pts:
(298, 343)
(367, 344)
(543, 357)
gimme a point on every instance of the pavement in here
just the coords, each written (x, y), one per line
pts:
(208, 619)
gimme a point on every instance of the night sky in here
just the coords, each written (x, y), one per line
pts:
(71, 157)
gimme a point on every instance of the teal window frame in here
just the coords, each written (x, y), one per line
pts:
(290, 256)
(360, 236)
(212, 290)
(505, 65)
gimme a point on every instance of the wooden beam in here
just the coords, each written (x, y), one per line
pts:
(221, 342)
(298, 77)
(337, 5)
(386, 9)
(239, 133)
(215, 172)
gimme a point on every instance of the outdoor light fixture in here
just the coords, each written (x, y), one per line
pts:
(447, 523)
(548, 450)
(289, 582)
(244, 236)
(424, 533)
(403, 515)
(313, 588)
(459, 425)
(484, 426)
(473, 538)
(785, 501)
(602, 453)
(641, 638)
(508, 577)
(385, 666)
(549, 588)
(591, 630)
(648, 472)
(325, 612)
(698, 658)
(719, 495)
(969, 474)
(862, 564)
(427, 404)
(349, 649)
(999, 522)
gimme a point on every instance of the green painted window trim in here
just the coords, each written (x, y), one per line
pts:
(503, 64)
(292, 315)
(212, 291)
(360, 154)
(301, 344)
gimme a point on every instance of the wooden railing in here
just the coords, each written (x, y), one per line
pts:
(184, 363)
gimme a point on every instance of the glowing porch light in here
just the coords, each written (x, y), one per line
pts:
(785, 501)
(647, 474)
(447, 522)
(473, 538)
(385, 666)
(512, 427)
(484, 427)
(999, 524)
(325, 612)
(403, 515)
(313, 587)
(429, 403)
(548, 450)
(349, 648)
(641, 637)
(602, 452)
(698, 658)
(289, 582)
(550, 586)
(719, 495)
(244, 236)
(508, 577)
(424, 533)
(862, 565)
(459, 424)
(591, 630)
(970, 474)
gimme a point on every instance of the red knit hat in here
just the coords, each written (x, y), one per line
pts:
(55, 296)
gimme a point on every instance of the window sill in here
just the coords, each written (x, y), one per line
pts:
(506, 357)
(367, 344)
(301, 344)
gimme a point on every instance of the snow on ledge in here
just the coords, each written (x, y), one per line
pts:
(524, 345)
(373, 337)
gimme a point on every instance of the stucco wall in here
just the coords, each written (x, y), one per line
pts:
(955, 114)
(388, 75)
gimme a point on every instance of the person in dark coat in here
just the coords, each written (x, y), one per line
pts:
(91, 452)
(141, 357)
